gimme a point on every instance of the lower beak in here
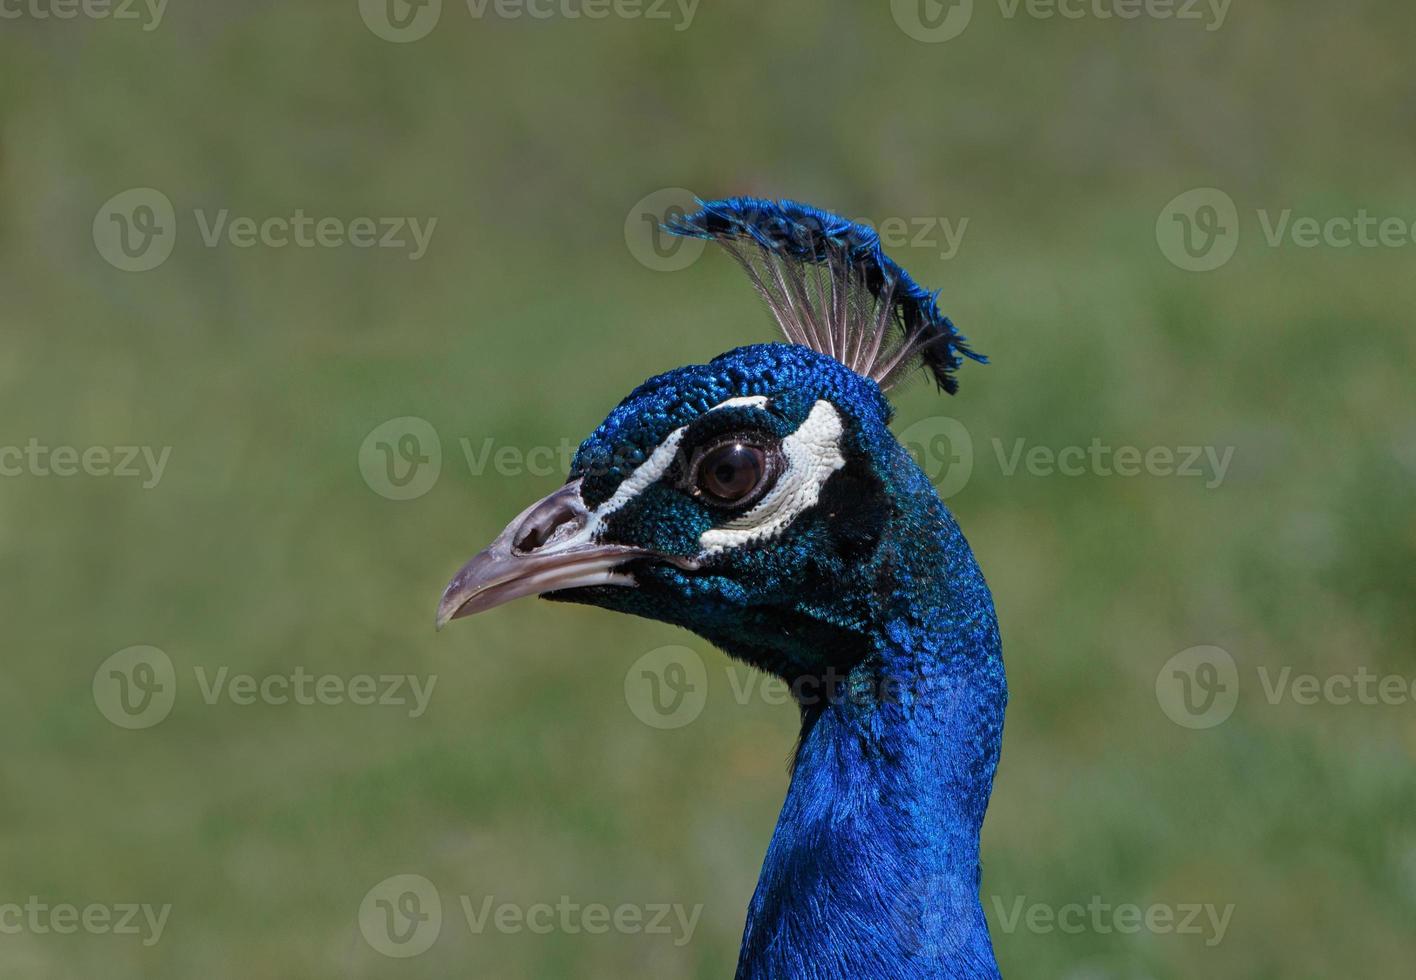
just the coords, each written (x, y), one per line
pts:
(547, 547)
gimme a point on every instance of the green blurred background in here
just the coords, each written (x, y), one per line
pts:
(534, 143)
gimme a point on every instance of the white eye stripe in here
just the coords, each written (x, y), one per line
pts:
(645, 474)
(649, 472)
(755, 401)
(813, 453)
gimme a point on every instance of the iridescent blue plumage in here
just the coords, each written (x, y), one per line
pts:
(785, 239)
(761, 501)
(874, 600)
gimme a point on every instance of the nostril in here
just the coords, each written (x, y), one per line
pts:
(541, 525)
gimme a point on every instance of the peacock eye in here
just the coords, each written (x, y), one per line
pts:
(732, 473)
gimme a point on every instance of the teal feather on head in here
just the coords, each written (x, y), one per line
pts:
(831, 287)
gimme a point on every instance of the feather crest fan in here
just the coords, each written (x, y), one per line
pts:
(832, 288)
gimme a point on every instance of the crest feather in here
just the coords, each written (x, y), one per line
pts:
(832, 288)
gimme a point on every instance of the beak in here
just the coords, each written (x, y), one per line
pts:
(547, 547)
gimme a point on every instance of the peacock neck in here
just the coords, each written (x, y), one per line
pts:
(874, 866)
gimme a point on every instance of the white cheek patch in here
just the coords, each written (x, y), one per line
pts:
(813, 453)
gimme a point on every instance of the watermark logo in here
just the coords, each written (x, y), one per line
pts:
(401, 21)
(135, 687)
(650, 244)
(646, 10)
(1198, 231)
(932, 21)
(943, 449)
(401, 916)
(1199, 687)
(667, 688)
(657, 249)
(136, 230)
(934, 917)
(401, 459)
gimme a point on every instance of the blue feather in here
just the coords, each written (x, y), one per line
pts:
(875, 597)
(854, 585)
(804, 236)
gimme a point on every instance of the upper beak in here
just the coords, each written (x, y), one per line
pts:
(547, 547)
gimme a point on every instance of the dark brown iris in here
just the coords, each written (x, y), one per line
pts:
(731, 472)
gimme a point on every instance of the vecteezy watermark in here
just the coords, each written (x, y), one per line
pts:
(1100, 459)
(149, 12)
(933, 916)
(402, 21)
(1361, 687)
(410, 691)
(137, 687)
(668, 687)
(1199, 687)
(1199, 230)
(136, 230)
(671, 919)
(401, 458)
(402, 916)
(1126, 918)
(944, 450)
(934, 21)
(647, 239)
(656, 248)
(40, 918)
(35, 459)
(678, 13)
(489, 456)
(945, 235)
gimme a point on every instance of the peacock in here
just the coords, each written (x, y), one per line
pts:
(761, 501)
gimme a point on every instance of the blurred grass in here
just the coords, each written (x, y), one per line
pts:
(262, 548)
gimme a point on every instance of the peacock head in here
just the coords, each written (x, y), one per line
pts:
(760, 499)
